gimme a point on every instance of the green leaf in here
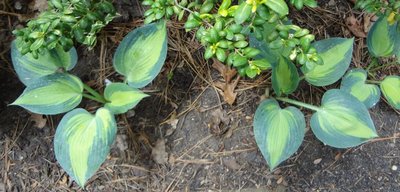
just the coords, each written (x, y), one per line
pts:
(82, 142)
(336, 54)
(122, 97)
(278, 132)
(390, 88)
(354, 83)
(29, 69)
(279, 6)
(52, 94)
(242, 13)
(267, 53)
(285, 77)
(342, 121)
(381, 38)
(142, 53)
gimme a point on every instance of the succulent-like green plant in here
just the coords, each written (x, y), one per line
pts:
(64, 23)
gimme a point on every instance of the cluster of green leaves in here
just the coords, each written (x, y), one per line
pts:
(63, 23)
(82, 140)
(225, 30)
(388, 8)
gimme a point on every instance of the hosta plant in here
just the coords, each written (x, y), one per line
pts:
(256, 36)
(82, 140)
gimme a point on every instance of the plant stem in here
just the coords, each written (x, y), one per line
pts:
(373, 82)
(94, 94)
(94, 98)
(298, 103)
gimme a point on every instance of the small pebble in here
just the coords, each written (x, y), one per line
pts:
(394, 168)
(18, 5)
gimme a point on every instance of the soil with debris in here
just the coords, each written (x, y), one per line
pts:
(186, 137)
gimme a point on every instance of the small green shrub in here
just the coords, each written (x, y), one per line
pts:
(64, 23)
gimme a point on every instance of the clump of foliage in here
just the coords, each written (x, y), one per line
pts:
(381, 8)
(256, 35)
(226, 29)
(64, 23)
(82, 140)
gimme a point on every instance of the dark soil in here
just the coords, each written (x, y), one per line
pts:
(209, 145)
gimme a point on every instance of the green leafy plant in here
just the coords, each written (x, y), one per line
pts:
(82, 140)
(255, 36)
(63, 23)
(225, 30)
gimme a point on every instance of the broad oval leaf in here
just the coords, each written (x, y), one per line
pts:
(336, 54)
(342, 121)
(381, 38)
(82, 142)
(29, 69)
(142, 53)
(390, 88)
(52, 94)
(243, 12)
(278, 132)
(279, 6)
(354, 83)
(122, 97)
(285, 77)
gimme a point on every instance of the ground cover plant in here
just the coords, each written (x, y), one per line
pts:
(251, 55)
(82, 141)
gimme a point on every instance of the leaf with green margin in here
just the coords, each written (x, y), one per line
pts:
(142, 53)
(82, 142)
(390, 88)
(354, 83)
(336, 54)
(342, 121)
(381, 38)
(29, 69)
(278, 132)
(279, 6)
(122, 97)
(285, 77)
(52, 94)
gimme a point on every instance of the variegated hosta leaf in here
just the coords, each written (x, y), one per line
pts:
(82, 142)
(381, 38)
(354, 83)
(142, 53)
(122, 97)
(285, 77)
(390, 87)
(336, 54)
(52, 94)
(342, 121)
(278, 132)
(29, 69)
